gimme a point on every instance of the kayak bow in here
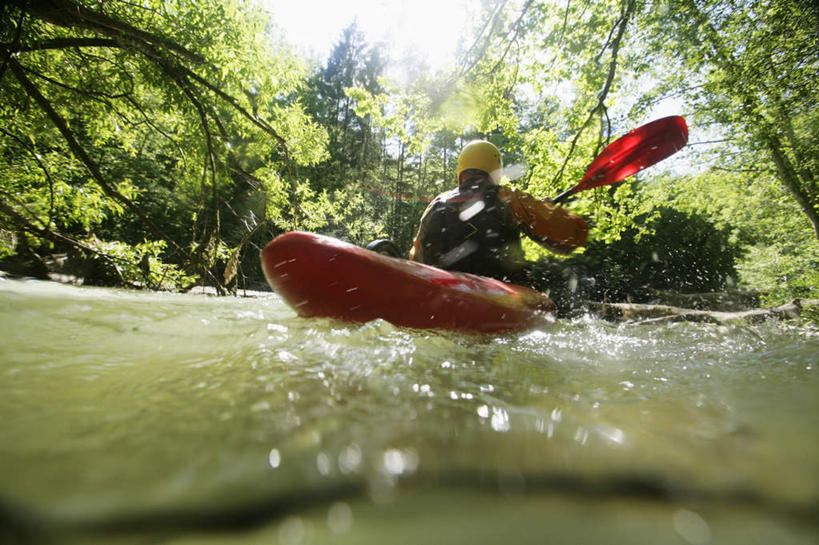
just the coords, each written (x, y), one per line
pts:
(319, 276)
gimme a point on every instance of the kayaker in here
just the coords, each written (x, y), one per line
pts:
(477, 227)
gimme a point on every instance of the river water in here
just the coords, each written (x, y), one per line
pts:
(136, 417)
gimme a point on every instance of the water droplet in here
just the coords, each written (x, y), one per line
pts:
(613, 435)
(469, 212)
(396, 462)
(340, 518)
(350, 459)
(692, 527)
(260, 406)
(274, 458)
(323, 464)
(291, 531)
(500, 420)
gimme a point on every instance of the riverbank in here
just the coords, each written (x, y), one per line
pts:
(717, 307)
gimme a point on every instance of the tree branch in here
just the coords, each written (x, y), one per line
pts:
(80, 153)
(565, 22)
(513, 39)
(148, 121)
(9, 49)
(89, 94)
(67, 13)
(757, 122)
(64, 43)
(601, 97)
(494, 18)
(33, 153)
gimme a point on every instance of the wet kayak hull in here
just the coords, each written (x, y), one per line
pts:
(320, 276)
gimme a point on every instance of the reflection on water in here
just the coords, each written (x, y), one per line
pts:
(118, 405)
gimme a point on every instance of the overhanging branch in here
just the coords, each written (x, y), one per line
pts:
(601, 97)
(96, 174)
(64, 43)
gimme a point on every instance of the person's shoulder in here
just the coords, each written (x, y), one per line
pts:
(508, 190)
(506, 194)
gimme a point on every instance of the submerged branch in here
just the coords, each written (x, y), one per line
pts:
(640, 314)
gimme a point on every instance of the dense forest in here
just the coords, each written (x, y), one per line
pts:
(161, 144)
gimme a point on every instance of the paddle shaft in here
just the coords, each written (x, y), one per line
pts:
(563, 196)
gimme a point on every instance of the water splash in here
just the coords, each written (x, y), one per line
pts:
(113, 400)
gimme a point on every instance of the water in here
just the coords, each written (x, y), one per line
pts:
(130, 417)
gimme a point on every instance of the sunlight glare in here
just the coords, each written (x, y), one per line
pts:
(427, 30)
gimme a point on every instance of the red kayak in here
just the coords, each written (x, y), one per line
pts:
(323, 276)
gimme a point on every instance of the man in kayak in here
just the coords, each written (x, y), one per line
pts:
(476, 228)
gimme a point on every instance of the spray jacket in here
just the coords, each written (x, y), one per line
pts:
(477, 228)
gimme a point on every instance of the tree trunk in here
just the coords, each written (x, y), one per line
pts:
(790, 178)
(768, 128)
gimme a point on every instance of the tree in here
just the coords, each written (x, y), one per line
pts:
(543, 78)
(749, 68)
(108, 108)
(353, 146)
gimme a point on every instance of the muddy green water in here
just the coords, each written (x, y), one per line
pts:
(129, 417)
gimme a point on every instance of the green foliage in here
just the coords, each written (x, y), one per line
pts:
(351, 144)
(135, 265)
(8, 243)
(747, 70)
(779, 255)
(669, 251)
(203, 137)
(156, 118)
(780, 273)
(682, 252)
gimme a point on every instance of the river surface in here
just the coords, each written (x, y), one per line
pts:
(136, 417)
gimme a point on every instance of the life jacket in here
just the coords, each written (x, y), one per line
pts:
(470, 230)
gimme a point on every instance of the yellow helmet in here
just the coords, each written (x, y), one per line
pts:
(481, 155)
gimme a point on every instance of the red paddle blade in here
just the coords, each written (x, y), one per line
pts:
(636, 150)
